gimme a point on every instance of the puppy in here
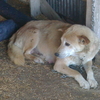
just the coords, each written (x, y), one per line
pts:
(71, 44)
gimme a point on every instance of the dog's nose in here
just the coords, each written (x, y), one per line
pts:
(57, 54)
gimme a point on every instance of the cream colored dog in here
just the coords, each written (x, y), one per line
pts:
(72, 44)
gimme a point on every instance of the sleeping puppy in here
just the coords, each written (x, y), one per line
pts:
(60, 43)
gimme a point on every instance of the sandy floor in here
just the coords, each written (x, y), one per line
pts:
(39, 82)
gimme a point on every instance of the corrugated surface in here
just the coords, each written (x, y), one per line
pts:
(74, 10)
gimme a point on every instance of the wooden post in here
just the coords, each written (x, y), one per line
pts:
(35, 7)
(89, 13)
(48, 11)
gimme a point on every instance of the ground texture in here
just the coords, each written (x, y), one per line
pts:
(38, 81)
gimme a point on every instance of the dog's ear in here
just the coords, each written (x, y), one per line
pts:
(83, 40)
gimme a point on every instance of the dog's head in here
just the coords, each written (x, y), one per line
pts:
(71, 43)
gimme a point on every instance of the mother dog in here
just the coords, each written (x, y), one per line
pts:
(72, 44)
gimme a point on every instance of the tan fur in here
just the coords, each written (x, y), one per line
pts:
(72, 44)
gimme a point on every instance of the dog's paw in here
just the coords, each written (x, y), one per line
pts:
(93, 83)
(84, 85)
(38, 60)
(82, 82)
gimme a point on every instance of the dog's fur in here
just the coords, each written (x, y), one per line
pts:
(72, 44)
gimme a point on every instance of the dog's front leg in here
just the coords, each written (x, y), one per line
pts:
(61, 67)
(90, 75)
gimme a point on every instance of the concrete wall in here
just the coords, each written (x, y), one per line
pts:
(93, 16)
(96, 16)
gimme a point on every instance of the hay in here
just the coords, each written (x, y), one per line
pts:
(38, 82)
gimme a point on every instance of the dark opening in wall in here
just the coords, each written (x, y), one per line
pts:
(73, 11)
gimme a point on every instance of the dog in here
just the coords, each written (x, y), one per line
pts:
(60, 43)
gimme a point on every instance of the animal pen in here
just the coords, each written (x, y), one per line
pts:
(38, 81)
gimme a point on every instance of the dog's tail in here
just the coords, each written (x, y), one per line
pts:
(16, 54)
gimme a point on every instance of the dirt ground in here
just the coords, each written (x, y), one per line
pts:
(38, 81)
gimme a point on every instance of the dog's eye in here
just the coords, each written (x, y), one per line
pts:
(67, 44)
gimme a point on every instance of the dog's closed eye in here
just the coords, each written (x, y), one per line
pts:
(67, 44)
